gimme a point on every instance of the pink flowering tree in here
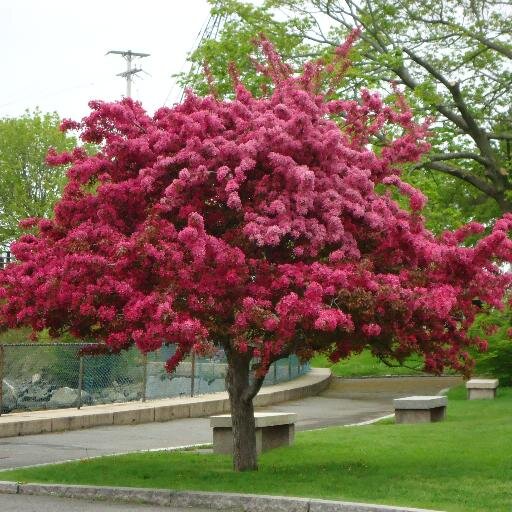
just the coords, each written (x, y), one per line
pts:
(263, 225)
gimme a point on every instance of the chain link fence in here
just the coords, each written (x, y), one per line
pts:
(38, 376)
(6, 257)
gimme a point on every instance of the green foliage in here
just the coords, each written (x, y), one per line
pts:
(462, 463)
(452, 62)
(366, 365)
(497, 361)
(451, 201)
(28, 187)
(235, 44)
(15, 336)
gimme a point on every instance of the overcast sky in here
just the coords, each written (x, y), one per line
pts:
(53, 51)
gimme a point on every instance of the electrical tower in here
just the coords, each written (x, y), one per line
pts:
(128, 74)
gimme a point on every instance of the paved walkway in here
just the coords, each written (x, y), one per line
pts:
(345, 402)
(313, 412)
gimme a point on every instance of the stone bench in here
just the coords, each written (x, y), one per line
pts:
(482, 389)
(273, 429)
(420, 409)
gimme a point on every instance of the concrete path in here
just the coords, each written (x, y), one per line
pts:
(23, 503)
(313, 412)
(345, 402)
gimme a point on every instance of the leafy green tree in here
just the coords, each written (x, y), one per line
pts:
(496, 327)
(28, 186)
(452, 61)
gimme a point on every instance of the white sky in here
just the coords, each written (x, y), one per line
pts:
(53, 51)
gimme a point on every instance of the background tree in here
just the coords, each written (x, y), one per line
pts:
(258, 225)
(452, 57)
(28, 186)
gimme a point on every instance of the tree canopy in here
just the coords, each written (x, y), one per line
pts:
(264, 225)
(28, 186)
(453, 61)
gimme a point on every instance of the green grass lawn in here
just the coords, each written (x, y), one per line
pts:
(463, 464)
(364, 365)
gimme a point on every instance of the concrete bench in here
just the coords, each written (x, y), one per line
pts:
(482, 389)
(273, 429)
(420, 409)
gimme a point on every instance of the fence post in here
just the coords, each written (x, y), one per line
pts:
(80, 382)
(1, 378)
(192, 374)
(275, 372)
(289, 367)
(144, 375)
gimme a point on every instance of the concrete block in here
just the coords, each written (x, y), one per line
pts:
(66, 423)
(263, 400)
(223, 440)
(35, 426)
(272, 430)
(420, 402)
(10, 428)
(134, 416)
(481, 394)
(206, 408)
(238, 502)
(420, 409)
(482, 389)
(262, 419)
(420, 415)
(97, 419)
(8, 487)
(347, 506)
(276, 436)
(172, 412)
(482, 383)
(149, 496)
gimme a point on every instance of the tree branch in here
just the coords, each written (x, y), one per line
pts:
(499, 136)
(476, 133)
(436, 157)
(492, 45)
(253, 389)
(468, 177)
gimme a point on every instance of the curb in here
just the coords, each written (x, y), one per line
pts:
(211, 500)
(131, 413)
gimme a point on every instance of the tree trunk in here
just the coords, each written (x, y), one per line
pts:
(242, 411)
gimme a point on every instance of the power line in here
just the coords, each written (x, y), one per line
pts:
(209, 30)
(128, 55)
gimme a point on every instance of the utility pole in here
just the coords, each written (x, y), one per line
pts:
(128, 74)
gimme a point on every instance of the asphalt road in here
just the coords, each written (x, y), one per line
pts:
(21, 503)
(313, 412)
(339, 405)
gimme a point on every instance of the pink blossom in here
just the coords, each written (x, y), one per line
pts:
(371, 329)
(255, 225)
